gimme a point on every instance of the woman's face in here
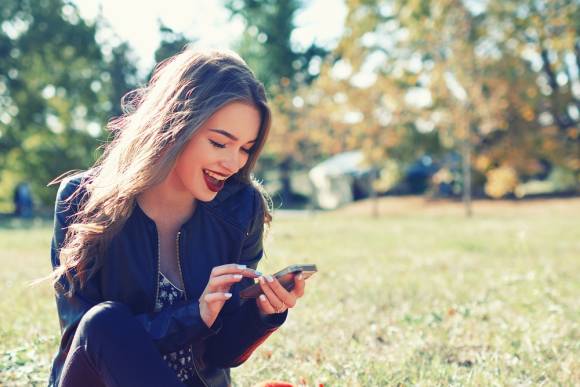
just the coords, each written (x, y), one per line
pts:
(218, 150)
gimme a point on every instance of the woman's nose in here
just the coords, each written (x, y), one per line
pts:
(232, 162)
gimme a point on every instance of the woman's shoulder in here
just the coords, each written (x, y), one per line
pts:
(71, 186)
(236, 192)
(238, 201)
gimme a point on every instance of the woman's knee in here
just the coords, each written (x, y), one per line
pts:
(104, 316)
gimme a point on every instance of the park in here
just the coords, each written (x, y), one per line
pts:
(425, 156)
(421, 295)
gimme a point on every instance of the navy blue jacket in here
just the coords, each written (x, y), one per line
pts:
(226, 230)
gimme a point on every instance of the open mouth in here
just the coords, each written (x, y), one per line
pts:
(213, 181)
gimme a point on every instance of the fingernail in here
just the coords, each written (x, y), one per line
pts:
(228, 295)
(270, 279)
(262, 298)
(299, 276)
(237, 276)
(257, 272)
(241, 267)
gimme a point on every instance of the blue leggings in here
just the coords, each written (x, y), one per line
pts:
(111, 348)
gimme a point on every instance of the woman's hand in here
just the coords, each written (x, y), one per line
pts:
(216, 293)
(276, 299)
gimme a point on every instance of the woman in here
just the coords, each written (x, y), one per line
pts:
(152, 244)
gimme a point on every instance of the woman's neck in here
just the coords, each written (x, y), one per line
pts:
(167, 203)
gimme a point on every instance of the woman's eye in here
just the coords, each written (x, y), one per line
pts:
(217, 144)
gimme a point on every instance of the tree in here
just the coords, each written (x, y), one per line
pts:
(358, 102)
(123, 75)
(171, 43)
(545, 37)
(55, 87)
(451, 68)
(284, 68)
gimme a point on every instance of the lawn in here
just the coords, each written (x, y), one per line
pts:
(421, 295)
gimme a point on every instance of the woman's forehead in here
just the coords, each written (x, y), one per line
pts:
(237, 121)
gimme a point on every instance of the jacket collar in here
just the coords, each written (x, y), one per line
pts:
(231, 187)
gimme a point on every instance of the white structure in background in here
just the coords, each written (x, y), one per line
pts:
(333, 179)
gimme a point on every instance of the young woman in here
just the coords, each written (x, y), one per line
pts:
(152, 244)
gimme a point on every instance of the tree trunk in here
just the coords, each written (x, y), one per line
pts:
(466, 164)
(286, 189)
(374, 204)
(312, 202)
(374, 197)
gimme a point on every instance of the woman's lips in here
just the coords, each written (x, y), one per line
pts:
(213, 184)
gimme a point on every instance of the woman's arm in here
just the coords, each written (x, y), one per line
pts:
(173, 327)
(244, 328)
(195, 320)
(70, 309)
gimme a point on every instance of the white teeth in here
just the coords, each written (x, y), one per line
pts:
(217, 177)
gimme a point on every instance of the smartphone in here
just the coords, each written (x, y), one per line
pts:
(285, 276)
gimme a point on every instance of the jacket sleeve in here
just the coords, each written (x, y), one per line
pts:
(169, 328)
(70, 309)
(243, 327)
(177, 325)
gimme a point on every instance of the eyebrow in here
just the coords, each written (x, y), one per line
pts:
(228, 135)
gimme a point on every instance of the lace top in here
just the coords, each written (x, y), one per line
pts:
(181, 361)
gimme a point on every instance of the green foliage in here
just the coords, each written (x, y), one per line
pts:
(488, 79)
(283, 68)
(57, 90)
(171, 43)
(122, 72)
(266, 44)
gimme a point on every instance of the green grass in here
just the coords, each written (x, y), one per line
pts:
(414, 297)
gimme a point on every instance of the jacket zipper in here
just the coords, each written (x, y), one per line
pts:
(179, 265)
(158, 270)
(186, 298)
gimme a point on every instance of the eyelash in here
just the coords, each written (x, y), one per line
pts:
(221, 146)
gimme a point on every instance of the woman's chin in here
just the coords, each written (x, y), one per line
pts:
(206, 196)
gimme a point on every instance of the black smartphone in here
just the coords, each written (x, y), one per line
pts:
(284, 276)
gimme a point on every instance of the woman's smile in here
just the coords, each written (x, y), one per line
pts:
(214, 182)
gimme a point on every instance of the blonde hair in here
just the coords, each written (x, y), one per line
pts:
(157, 122)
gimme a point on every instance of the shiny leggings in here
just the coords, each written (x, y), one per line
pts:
(111, 348)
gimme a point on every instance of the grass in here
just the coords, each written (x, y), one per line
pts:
(420, 296)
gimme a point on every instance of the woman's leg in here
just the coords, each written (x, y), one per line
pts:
(111, 348)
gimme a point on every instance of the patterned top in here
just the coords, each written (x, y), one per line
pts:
(181, 361)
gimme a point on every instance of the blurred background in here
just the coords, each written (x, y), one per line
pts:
(419, 111)
(454, 99)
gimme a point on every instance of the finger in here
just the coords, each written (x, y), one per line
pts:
(251, 273)
(288, 298)
(269, 293)
(224, 280)
(218, 296)
(299, 285)
(264, 305)
(233, 268)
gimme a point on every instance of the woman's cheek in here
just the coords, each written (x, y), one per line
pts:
(243, 162)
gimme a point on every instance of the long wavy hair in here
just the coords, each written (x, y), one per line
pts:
(157, 123)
